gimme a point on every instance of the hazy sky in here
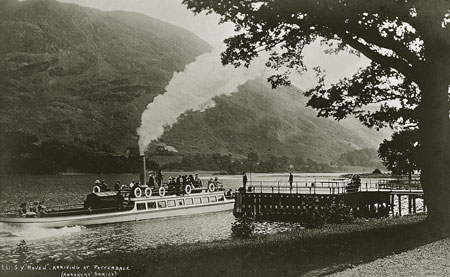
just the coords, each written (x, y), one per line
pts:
(207, 27)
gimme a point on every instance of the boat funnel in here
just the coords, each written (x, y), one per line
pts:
(143, 171)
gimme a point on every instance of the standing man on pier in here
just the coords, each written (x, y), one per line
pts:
(291, 179)
(244, 181)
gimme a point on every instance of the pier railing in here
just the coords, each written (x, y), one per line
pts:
(333, 186)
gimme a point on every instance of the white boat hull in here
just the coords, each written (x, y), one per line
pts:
(123, 216)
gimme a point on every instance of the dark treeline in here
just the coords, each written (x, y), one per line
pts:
(363, 157)
(24, 153)
(226, 164)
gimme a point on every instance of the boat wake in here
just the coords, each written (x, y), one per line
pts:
(10, 232)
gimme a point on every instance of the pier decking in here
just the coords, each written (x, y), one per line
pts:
(371, 199)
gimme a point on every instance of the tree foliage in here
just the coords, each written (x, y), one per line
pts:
(400, 154)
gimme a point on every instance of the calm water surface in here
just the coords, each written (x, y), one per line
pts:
(75, 243)
(78, 242)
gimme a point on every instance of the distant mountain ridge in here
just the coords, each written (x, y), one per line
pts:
(69, 72)
(269, 122)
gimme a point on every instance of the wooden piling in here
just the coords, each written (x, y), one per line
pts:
(409, 204)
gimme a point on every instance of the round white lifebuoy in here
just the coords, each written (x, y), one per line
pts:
(137, 192)
(211, 187)
(162, 191)
(96, 189)
(148, 192)
(188, 189)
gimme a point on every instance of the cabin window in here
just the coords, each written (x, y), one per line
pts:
(161, 204)
(170, 203)
(180, 202)
(140, 206)
(151, 205)
(197, 200)
(213, 198)
(221, 198)
(189, 201)
(205, 200)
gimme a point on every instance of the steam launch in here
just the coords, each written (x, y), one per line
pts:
(139, 201)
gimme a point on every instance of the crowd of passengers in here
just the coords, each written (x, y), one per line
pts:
(155, 181)
(37, 209)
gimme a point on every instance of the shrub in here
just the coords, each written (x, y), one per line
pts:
(318, 212)
(243, 227)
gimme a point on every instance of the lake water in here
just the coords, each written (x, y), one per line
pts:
(76, 243)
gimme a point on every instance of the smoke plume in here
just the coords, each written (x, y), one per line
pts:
(193, 90)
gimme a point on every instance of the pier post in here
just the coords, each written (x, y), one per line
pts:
(392, 196)
(399, 204)
(414, 204)
(409, 204)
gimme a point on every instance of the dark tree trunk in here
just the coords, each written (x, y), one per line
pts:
(434, 127)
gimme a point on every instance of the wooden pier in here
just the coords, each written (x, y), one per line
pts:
(376, 199)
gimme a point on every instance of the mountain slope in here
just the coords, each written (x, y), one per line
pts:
(68, 71)
(269, 122)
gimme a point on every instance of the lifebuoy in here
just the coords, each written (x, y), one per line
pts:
(137, 192)
(188, 189)
(211, 187)
(162, 191)
(148, 192)
(96, 189)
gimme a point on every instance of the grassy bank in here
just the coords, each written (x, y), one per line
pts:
(311, 252)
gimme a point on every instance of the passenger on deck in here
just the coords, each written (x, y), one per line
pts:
(103, 186)
(97, 183)
(23, 209)
(151, 181)
(171, 183)
(132, 184)
(34, 208)
(117, 186)
(159, 177)
(217, 182)
(197, 181)
(42, 209)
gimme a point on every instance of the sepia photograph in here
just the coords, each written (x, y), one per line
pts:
(224, 138)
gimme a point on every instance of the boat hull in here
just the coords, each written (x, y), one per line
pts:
(120, 216)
